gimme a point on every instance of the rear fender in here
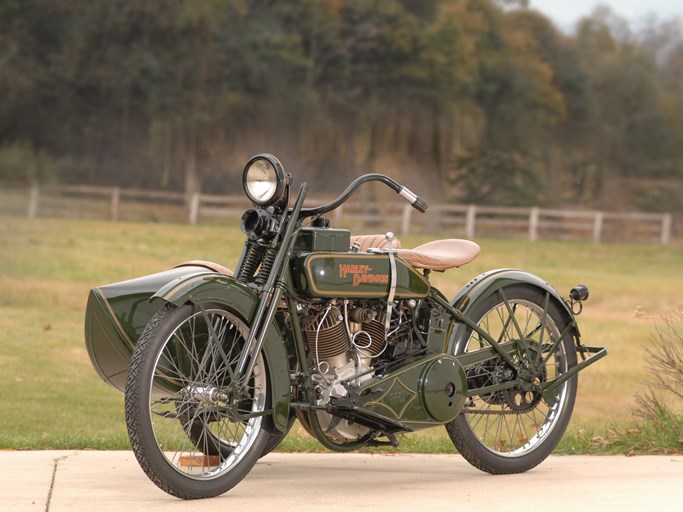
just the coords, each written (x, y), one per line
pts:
(220, 289)
(482, 286)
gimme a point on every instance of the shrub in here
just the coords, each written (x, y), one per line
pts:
(660, 407)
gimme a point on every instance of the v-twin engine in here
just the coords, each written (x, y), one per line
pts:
(342, 345)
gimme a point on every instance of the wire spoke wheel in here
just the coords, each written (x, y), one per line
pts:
(513, 429)
(194, 430)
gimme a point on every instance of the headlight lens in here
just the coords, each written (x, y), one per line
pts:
(263, 180)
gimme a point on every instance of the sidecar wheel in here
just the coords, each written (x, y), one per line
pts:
(189, 436)
(515, 429)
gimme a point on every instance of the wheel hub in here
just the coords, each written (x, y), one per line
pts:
(204, 394)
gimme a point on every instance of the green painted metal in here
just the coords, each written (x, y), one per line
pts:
(115, 317)
(549, 388)
(413, 393)
(408, 377)
(220, 289)
(491, 282)
(349, 275)
(484, 354)
(422, 393)
(269, 300)
(482, 286)
(442, 384)
(323, 239)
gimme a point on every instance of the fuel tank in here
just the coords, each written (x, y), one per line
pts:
(354, 275)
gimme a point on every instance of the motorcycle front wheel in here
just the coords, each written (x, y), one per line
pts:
(192, 433)
(513, 430)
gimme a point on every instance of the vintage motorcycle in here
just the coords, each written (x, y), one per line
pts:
(344, 334)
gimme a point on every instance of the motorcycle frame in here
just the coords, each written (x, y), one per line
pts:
(270, 297)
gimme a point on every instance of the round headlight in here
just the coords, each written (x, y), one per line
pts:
(264, 180)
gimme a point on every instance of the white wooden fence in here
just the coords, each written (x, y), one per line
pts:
(469, 221)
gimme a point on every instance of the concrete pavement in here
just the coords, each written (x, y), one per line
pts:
(57, 481)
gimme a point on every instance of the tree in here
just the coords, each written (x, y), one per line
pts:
(180, 94)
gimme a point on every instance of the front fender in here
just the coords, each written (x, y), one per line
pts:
(210, 287)
(482, 286)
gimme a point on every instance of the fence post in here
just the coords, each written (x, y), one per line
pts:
(666, 229)
(33, 197)
(597, 227)
(405, 219)
(533, 224)
(338, 215)
(194, 208)
(470, 221)
(115, 199)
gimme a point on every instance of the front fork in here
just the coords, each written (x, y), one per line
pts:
(270, 296)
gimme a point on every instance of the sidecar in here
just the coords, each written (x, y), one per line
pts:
(117, 313)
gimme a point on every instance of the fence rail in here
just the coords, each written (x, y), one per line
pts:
(466, 220)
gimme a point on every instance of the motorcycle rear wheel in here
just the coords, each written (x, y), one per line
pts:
(513, 430)
(190, 438)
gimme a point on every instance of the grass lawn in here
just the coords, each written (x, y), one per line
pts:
(52, 398)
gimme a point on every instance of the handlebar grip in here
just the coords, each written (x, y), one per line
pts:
(420, 205)
(416, 201)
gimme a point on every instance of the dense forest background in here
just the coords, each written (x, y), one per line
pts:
(477, 101)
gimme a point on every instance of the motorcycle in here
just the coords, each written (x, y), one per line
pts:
(344, 334)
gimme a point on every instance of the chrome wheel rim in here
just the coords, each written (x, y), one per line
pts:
(199, 430)
(515, 422)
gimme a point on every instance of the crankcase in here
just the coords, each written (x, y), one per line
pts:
(421, 393)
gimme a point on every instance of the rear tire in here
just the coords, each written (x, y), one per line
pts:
(188, 433)
(513, 430)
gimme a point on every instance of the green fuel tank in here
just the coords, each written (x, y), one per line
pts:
(354, 276)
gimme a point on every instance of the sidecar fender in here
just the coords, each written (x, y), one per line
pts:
(479, 288)
(116, 315)
(203, 288)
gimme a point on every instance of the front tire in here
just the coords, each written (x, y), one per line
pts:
(190, 430)
(513, 430)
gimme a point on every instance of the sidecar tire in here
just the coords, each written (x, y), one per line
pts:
(509, 447)
(147, 379)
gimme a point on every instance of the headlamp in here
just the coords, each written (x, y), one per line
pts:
(264, 180)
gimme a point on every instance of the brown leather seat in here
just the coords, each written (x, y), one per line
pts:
(374, 241)
(440, 254)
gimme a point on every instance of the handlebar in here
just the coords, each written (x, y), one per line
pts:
(416, 201)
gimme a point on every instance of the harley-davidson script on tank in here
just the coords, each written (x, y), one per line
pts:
(362, 274)
(355, 275)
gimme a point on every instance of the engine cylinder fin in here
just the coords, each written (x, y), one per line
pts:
(377, 333)
(325, 334)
